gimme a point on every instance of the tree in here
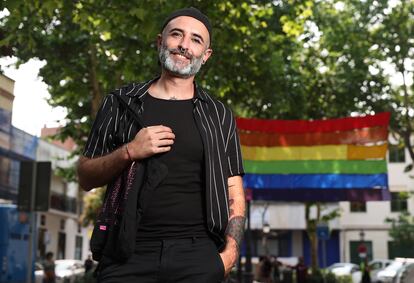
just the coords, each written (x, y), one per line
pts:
(280, 59)
(402, 234)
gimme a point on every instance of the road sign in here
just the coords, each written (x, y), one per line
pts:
(322, 231)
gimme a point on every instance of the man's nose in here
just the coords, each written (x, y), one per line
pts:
(184, 43)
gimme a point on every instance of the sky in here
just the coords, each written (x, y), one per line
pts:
(31, 112)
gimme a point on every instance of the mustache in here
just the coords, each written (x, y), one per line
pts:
(181, 52)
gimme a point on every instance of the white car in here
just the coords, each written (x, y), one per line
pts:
(346, 269)
(405, 274)
(39, 274)
(376, 265)
(387, 274)
(68, 270)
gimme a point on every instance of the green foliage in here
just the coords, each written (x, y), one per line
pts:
(316, 276)
(402, 229)
(330, 278)
(286, 59)
(92, 204)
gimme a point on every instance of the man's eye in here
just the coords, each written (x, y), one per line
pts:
(197, 40)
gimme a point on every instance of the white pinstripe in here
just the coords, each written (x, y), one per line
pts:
(220, 137)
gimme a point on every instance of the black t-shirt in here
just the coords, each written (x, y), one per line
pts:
(177, 206)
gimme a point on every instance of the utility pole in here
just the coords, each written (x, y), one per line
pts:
(34, 190)
(32, 221)
(248, 274)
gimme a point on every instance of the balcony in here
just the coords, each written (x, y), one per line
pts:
(63, 203)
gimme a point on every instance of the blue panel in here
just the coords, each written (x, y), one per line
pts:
(315, 181)
(13, 245)
(332, 249)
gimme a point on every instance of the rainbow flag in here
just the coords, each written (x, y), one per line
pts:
(320, 160)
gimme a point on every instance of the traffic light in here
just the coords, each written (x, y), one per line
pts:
(34, 181)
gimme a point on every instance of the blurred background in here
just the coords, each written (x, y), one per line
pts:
(279, 60)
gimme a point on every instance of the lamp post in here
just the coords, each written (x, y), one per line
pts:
(362, 249)
(266, 231)
(248, 274)
(362, 235)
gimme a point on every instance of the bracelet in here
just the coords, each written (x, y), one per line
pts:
(129, 155)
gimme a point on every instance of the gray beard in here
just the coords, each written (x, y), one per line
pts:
(175, 68)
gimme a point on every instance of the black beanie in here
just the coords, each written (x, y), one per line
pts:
(190, 12)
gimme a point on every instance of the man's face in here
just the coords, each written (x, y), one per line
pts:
(184, 46)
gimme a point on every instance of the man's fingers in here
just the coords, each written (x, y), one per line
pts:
(164, 135)
(162, 149)
(158, 129)
(164, 142)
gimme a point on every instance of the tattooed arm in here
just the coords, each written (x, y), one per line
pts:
(235, 227)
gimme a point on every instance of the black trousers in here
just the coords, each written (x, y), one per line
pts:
(167, 261)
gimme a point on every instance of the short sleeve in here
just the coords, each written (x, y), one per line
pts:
(100, 137)
(233, 150)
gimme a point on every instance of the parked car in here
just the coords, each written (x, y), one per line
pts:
(387, 274)
(39, 272)
(376, 265)
(68, 270)
(405, 274)
(346, 269)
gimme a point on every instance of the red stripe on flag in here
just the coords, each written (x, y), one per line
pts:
(305, 126)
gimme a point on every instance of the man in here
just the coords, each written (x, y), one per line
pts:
(88, 264)
(192, 227)
(49, 269)
(301, 271)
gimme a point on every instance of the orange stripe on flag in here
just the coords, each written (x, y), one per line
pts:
(358, 136)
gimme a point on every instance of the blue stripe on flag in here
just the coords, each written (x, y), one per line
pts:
(315, 181)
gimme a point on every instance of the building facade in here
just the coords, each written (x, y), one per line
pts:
(58, 229)
(359, 222)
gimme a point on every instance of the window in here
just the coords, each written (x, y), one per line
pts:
(358, 206)
(399, 201)
(61, 246)
(78, 247)
(62, 224)
(396, 153)
(396, 249)
(354, 247)
(43, 220)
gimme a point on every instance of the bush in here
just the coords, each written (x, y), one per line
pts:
(330, 278)
(315, 277)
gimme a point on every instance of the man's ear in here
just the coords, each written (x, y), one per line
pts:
(159, 40)
(207, 54)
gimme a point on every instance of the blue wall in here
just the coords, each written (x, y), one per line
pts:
(332, 249)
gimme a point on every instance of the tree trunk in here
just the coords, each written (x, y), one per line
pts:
(96, 88)
(311, 231)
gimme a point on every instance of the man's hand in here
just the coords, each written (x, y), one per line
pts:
(235, 227)
(229, 255)
(149, 141)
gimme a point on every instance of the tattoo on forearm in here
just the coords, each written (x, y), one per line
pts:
(235, 229)
(231, 201)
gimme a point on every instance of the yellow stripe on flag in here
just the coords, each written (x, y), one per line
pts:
(328, 152)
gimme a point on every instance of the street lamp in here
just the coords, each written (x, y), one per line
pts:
(266, 231)
(361, 235)
(362, 249)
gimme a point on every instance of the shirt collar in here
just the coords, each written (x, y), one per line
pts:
(140, 90)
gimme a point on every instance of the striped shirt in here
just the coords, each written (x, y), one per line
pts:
(113, 127)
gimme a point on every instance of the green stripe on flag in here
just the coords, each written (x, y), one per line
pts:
(315, 167)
